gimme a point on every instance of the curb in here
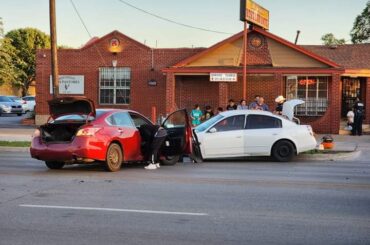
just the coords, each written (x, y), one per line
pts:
(14, 149)
(329, 156)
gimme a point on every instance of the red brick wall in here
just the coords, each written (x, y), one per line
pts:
(257, 56)
(330, 121)
(367, 101)
(192, 90)
(86, 61)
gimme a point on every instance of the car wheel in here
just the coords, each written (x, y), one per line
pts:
(114, 158)
(283, 151)
(54, 164)
(170, 160)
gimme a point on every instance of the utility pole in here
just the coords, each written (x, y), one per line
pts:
(54, 55)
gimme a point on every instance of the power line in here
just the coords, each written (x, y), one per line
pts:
(173, 21)
(87, 30)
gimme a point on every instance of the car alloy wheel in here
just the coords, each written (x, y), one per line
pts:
(114, 158)
(283, 151)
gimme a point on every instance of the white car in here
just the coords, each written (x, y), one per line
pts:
(241, 133)
(31, 102)
(24, 103)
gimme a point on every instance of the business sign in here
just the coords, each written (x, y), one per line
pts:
(69, 84)
(254, 13)
(223, 77)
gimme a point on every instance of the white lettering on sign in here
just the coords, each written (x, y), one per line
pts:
(69, 84)
(223, 77)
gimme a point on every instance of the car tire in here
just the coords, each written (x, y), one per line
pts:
(114, 158)
(170, 160)
(54, 164)
(283, 151)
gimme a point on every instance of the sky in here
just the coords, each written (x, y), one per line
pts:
(313, 18)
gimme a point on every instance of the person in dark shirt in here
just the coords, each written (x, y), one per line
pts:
(279, 106)
(359, 110)
(231, 105)
(208, 113)
(219, 110)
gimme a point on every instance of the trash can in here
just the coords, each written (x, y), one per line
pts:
(328, 142)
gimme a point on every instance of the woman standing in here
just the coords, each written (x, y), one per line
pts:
(196, 115)
(242, 105)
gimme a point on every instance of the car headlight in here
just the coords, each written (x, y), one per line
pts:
(5, 106)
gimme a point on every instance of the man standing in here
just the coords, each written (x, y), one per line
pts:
(359, 110)
(253, 105)
(261, 105)
(231, 105)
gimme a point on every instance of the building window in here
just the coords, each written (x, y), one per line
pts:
(313, 90)
(114, 85)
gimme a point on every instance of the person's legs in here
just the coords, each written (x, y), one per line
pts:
(359, 126)
(354, 130)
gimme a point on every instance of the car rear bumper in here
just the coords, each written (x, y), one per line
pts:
(80, 149)
(307, 144)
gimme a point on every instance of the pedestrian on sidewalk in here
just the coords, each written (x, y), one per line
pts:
(359, 110)
(196, 115)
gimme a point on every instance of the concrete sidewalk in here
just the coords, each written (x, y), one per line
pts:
(16, 134)
(342, 143)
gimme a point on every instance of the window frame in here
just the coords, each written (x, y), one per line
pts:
(307, 111)
(265, 116)
(108, 71)
(226, 118)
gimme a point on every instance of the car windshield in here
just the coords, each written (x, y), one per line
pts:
(203, 126)
(5, 99)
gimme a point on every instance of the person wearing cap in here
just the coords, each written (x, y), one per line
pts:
(279, 107)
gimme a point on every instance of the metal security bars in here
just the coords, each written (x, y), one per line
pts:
(312, 90)
(114, 85)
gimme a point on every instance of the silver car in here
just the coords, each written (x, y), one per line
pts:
(8, 106)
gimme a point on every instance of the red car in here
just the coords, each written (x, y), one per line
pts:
(77, 133)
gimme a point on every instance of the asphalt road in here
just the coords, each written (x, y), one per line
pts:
(210, 203)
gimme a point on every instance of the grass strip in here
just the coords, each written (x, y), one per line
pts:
(15, 143)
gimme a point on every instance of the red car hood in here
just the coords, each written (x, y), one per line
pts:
(71, 105)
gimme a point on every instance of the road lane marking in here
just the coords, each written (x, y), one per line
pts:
(114, 210)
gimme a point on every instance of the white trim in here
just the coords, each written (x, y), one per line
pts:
(143, 211)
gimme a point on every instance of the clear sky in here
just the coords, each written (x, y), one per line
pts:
(313, 18)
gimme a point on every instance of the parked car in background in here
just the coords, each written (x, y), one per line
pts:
(31, 102)
(242, 133)
(20, 101)
(9, 106)
(77, 133)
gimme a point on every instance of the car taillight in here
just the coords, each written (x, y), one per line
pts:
(87, 131)
(37, 133)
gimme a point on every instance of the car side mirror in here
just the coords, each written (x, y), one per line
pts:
(212, 130)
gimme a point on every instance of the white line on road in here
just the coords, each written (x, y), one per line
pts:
(114, 210)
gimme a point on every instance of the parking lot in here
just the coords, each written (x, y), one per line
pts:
(239, 202)
(13, 121)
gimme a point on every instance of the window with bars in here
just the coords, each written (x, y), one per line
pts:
(313, 90)
(114, 85)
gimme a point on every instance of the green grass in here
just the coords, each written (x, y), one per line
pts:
(15, 143)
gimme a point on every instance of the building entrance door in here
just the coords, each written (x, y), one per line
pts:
(350, 90)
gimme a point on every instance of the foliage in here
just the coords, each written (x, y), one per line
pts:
(25, 42)
(330, 40)
(8, 71)
(361, 28)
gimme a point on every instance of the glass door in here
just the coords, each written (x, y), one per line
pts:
(350, 90)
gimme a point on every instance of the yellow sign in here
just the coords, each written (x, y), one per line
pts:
(254, 13)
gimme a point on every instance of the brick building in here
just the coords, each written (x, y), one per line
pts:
(118, 72)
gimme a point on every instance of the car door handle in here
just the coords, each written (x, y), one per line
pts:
(120, 130)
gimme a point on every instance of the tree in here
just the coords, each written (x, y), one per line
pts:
(361, 28)
(25, 42)
(8, 71)
(330, 40)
